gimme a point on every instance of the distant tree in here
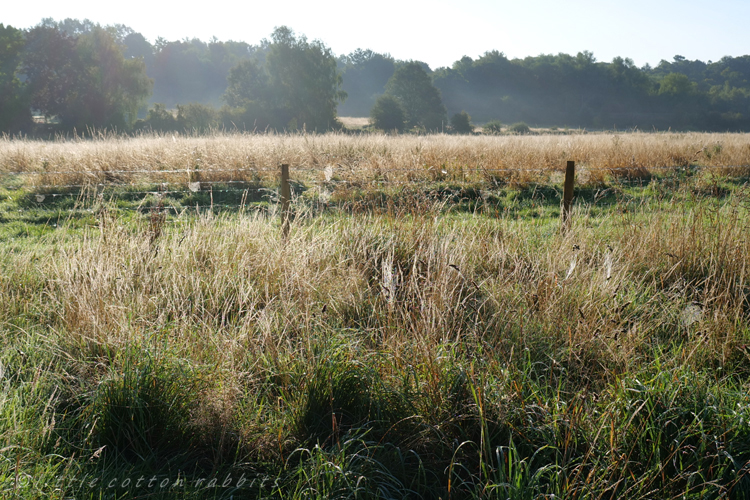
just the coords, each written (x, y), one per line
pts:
(84, 80)
(365, 74)
(411, 86)
(676, 84)
(298, 85)
(15, 113)
(136, 46)
(249, 99)
(181, 72)
(388, 114)
(71, 27)
(247, 85)
(304, 80)
(461, 123)
(519, 128)
(196, 117)
(52, 70)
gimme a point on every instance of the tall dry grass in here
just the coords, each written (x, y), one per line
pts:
(365, 157)
(421, 332)
(488, 353)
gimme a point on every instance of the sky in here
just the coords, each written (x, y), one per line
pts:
(437, 32)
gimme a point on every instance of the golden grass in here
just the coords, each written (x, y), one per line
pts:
(558, 326)
(354, 122)
(222, 157)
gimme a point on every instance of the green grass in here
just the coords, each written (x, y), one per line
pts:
(428, 341)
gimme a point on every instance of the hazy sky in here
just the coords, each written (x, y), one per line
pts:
(437, 31)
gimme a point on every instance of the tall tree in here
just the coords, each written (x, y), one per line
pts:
(305, 81)
(247, 84)
(411, 85)
(248, 97)
(84, 80)
(15, 114)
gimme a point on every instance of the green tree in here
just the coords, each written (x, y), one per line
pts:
(84, 80)
(247, 85)
(675, 85)
(15, 113)
(493, 127)
(117, 87)
(249, 99)
(411, 86)
(196, 117)
(161, 119)
(388, 114)
(304, 80)
(461, 123)
(519, 128)
(50, 65)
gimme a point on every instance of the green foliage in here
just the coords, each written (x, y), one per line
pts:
(74, 74)
(248, 83)
(676, 84)
(298, 86)
(84, 80)
(161, 119)
(249, 99)
(196, 117)
(304, 80)
(411, 86)
(519, 128)
(677, 427)
(388, 114)
(461, 123)
(493, 127)
(355, 468)
(15, 114)
(578, 90)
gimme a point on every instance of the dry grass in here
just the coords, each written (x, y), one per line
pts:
(489, 353)
(534, 321)
(367, 157)
(354, 122)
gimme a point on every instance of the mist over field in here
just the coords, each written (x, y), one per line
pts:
(79, 75)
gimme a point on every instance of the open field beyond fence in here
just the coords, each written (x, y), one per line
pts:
(425, 330)
(365, 156)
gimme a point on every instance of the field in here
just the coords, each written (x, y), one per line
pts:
(425, 330)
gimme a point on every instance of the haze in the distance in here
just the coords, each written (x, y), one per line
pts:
(438, 32)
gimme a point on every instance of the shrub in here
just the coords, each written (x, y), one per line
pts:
(196, 116)
(493, 127)
(519, 128)
(461, 123)
(160, 118)
(251, 117)
(388, 114)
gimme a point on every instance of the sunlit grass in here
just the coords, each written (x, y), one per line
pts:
(401, 343)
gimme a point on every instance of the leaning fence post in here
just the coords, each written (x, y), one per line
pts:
(285, 197)
(570, 174)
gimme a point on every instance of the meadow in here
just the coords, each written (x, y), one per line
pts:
(425, 330)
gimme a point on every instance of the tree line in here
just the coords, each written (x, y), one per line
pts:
(69, 75)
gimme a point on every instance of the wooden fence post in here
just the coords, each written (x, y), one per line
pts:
(570, 174)
(284, 198)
